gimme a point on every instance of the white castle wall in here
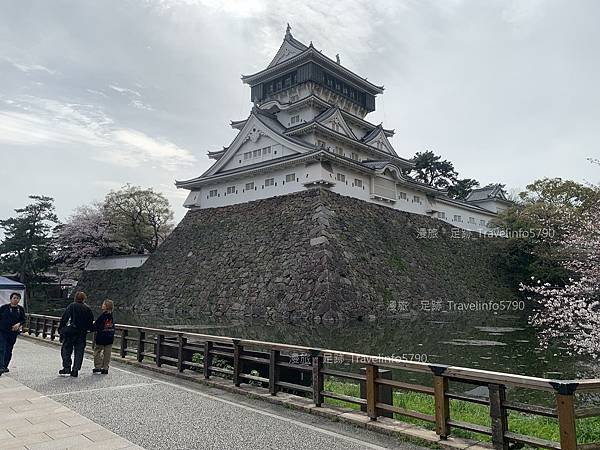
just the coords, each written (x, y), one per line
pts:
(406, 196)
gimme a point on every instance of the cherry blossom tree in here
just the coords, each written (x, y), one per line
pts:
(572, 311)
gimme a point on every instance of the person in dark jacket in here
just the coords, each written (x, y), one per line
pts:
(75, 323)
(12, 318)
(104, 339)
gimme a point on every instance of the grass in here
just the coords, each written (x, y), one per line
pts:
(588, 430)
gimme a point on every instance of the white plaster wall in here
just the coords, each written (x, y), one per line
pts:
(317, 172)
(277, 151)
(260, 191)
(119, 262)
(306, 115)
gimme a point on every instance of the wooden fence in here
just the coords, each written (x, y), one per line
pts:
(303, 371)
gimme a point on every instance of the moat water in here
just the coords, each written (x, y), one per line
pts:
(503, 342)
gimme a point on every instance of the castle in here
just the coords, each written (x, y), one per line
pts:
(308, 129)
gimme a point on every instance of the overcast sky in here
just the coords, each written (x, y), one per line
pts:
(94, 95)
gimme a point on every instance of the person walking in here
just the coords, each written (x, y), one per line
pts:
(75, 323)
(12, 318)
(104, 339)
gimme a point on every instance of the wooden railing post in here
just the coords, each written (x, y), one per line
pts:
(123, 349)
(207, 359)
(53, 326)
(158, 353)
(565, 406)
(442, 403)
(371, 387)
(384, 393)
(498, 415)
(181, 341)
(317, 378)
(29, 320)
(141, 345)
(273, 371)
(237, 362)
(37, 325)
(44, 325)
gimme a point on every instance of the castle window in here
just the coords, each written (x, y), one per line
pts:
(482, 222)
(457, 218)
(247, 156)
(354, 156)
(417, 199)
(290, 177)
(472, 220)
(340, 177)
(250, 186)
(266, 151)
(270, 182)
(339, 150)
(256, 153)
(441, 215)
(358, 183)
(212, 193)
(295, 119)
(320, 143)
(402, 195)
(231, 190)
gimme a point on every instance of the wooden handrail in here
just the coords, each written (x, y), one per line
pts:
(234, 358)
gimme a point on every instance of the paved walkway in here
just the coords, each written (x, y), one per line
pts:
(29, 420)
(152, 411)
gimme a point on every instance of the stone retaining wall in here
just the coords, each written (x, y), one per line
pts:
(313, 255)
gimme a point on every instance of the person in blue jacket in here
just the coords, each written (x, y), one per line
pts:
(12, 318)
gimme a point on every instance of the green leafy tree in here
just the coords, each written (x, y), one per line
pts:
(440, 173)
(141, 217)
(545, 211)
(28, 244)
(432, 170)
(462, 188)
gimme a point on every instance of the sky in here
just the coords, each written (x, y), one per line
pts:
(94, 95)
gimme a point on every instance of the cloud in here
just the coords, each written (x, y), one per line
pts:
(34, 121)
(134, 97)
(27, 68)
(142, 148)
(121, 90)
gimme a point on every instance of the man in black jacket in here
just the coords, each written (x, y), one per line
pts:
(75, 323)
(12, 318)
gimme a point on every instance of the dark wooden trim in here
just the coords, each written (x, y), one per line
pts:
(158, 352)
(317, 380)
(140, 345)
(442, 406)
(273, 371)
(371, 385)
(498, 415)
(207, 359)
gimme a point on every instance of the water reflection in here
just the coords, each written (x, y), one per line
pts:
(485, 341)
